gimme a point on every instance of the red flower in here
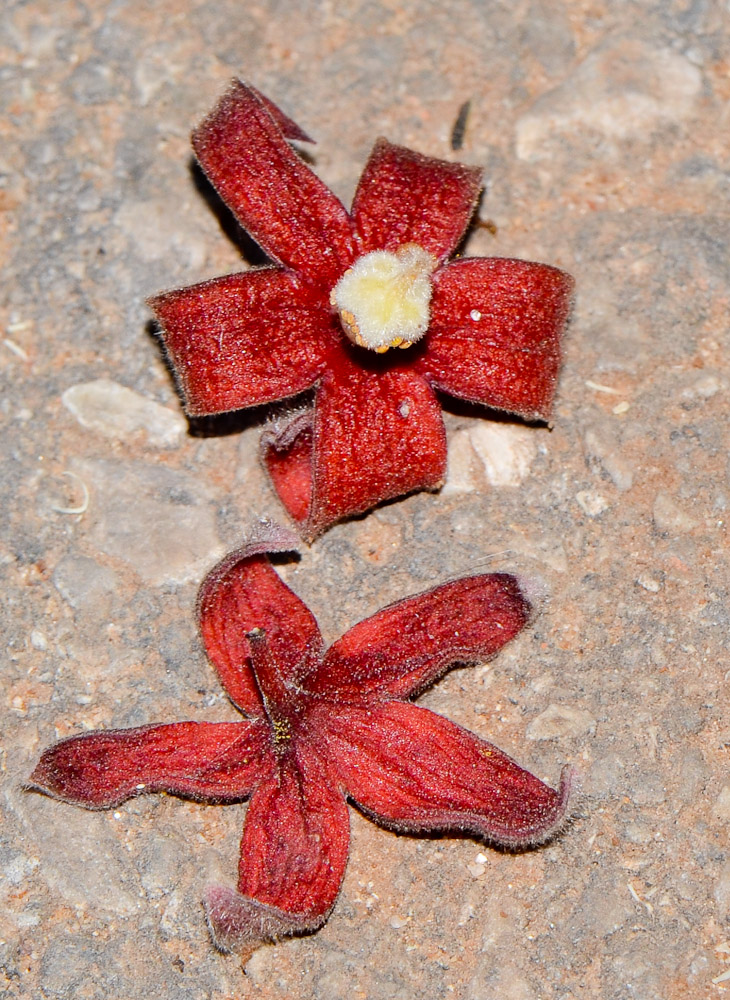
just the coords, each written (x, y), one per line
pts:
(321, 728)
(485, 330)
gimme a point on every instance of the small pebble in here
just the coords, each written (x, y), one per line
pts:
(648, 582)
(490, 454)
(118, 412)
(592, 503)
(561, 720)
(603, 455)
(38, 640)
(669, 517)
(721, 808)
(160, 521)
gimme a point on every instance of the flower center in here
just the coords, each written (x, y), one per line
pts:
(384, 298)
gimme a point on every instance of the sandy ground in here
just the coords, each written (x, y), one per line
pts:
(603, 130)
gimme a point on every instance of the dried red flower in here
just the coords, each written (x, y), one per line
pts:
(321, 728)
(485, 330)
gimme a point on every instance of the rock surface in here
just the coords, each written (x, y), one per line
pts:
(120, 413)
(603, 130)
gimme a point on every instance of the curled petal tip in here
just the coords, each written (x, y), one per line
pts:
(558, 817)
(534, 589)
(53, 777)
(242, 924)
(265, 538)
(270, 536)
(289, 129)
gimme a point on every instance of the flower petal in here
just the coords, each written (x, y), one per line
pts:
(274, 195)
(415, 771)
(377, 435)
(293, 857)
(245, 339)
(243, 593)
(210, 761)
(404, 197)
(408, 645)
(289, 129)
(287, 454)
(495, 333)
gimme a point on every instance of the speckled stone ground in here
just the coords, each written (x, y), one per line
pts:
(603, 129)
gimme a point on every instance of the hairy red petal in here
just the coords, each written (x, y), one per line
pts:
(287, 455)
(241, 924)
(404, 197)
(275, 196)
(377, 435)
(245, 339)
(289, 129)
(293, 856)
(211, 761)
(408, 645)
(243, 593)
(415, 771)
(495, 333)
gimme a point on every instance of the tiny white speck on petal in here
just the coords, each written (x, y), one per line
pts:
(475, 315)
(404, 409)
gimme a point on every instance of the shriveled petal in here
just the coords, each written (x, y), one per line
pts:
(242, 593)
(242, 924)
(495, 333)
(414, 771)
(274, 195)
(405, 197)
(293, 857)
(408, 645)
(210, 761)
(377, 435)
(245, 339)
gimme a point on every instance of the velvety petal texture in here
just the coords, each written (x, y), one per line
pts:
(408, 645)
(416, 772)
(489, 329)
(244, 593)
(376, 436)
(495, 333)
(245, 339)
(210, 761)
(404, 197)
(324, 727)
(373, 436)
(244, 151)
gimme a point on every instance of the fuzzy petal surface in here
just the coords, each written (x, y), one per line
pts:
(209, 761)
(483, 330)
(242, 593)
(408, 645)
(287, 209)
(242, 924)
(287, 454)
(415, 771)
(377, 434)
(405, 197)
(495, 333)
(245, 339)
(318, 735)
(293, 856)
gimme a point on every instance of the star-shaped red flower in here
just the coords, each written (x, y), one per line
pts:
(321, 727)
(485, 330)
